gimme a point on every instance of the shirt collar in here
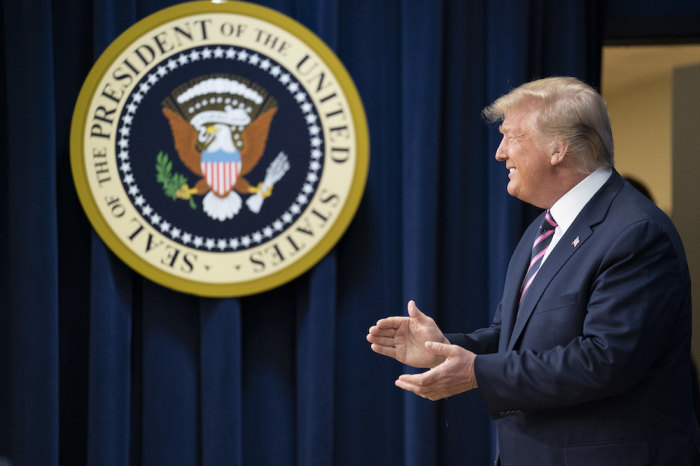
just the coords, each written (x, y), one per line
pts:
(567, 208)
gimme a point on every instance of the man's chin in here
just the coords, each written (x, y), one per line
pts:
(515, 192)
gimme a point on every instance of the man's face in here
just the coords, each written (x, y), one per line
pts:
(528, 164)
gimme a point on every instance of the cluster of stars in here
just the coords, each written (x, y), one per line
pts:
(247, 240)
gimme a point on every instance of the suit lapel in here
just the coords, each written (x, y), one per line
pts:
(576, 235)
(561, 253)
(511, 294)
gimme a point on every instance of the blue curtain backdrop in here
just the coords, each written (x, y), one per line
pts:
(101, 366)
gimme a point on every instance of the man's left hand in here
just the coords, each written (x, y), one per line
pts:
(453, 376)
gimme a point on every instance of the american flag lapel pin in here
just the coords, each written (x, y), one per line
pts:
(575, 242)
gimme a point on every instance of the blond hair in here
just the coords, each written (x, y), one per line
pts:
(565, 108)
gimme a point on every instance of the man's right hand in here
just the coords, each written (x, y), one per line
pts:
(404, 338)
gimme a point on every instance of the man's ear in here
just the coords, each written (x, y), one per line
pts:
(560, 150)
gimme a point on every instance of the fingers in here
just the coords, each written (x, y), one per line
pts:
(382, 340)
(422, 385)
(397, 321)
(391, 322)
(420, 382)
(382, 331)
(408, 386)
(389, 351)
(440, 349)
(417, 380)
(413, 310)
(381, 337)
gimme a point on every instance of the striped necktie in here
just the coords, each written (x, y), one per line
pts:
(539, 248)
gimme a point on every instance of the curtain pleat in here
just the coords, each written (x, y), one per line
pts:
(170, 377)
(317, 306)
(369, 417)
(269, 378)
(221, 382)
(421, 119)
(110, 351)
(315, 373)
(464, 212)
(33, 238)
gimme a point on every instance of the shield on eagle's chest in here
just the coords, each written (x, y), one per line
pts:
(221, 170)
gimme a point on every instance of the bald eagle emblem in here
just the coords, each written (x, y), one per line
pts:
(220, 126)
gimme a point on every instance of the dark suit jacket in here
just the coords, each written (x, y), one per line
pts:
(596, 369)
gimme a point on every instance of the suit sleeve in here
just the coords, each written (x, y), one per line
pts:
(639, 296)
(482, 341)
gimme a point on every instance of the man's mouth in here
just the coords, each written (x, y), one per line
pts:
(512, 170)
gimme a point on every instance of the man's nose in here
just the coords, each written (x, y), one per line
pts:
(501, 153)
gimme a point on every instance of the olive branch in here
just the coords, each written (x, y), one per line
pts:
(172, 182)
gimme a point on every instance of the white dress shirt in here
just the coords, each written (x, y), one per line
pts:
(567, 208)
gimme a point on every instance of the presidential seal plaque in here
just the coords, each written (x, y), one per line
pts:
(219, 149)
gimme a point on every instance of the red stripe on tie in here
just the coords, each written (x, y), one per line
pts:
(543, 237)
(539, 249)
(527, 285)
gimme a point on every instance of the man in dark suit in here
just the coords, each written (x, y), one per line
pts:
(587, 361)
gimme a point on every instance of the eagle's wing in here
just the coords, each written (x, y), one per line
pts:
(185, 137)
(254, 140)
